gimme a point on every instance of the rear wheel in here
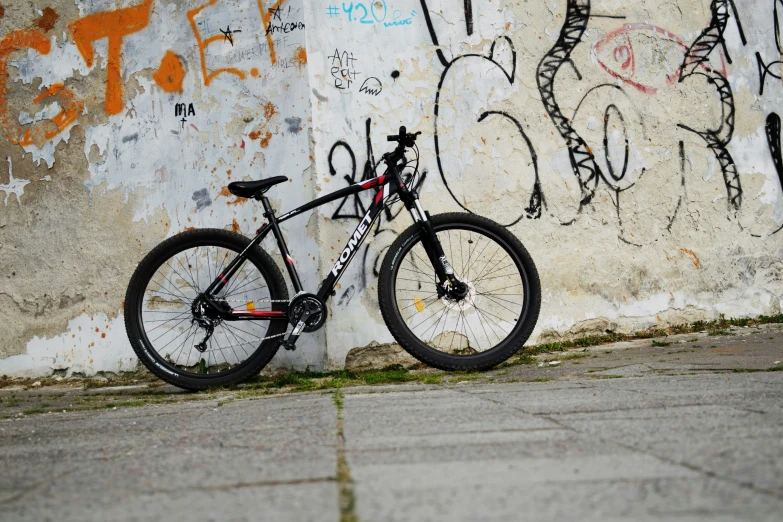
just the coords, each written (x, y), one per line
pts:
(171, 332)
(482, 325)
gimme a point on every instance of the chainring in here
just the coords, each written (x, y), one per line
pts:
(297, 307)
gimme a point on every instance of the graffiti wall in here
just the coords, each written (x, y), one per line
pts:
(634, 148)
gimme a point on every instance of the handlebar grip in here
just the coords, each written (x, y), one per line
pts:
(403, 131)
(392, 138)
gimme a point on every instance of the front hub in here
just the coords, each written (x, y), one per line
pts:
(460, 296)
(459, 291)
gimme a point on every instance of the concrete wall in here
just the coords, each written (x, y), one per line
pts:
(634, 147)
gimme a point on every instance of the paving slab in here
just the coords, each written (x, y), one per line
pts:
(264, 458)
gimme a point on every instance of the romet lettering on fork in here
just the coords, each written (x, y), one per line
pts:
(209, 307)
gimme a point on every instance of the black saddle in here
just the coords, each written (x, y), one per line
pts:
(251, 189)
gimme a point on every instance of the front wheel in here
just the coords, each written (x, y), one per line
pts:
(486, 325)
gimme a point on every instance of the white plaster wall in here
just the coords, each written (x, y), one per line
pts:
(646, 232)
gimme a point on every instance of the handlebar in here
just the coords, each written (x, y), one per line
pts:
(403, 137)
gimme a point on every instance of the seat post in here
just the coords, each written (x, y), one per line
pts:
(268, 210)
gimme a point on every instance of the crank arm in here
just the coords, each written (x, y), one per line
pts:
(289, 343)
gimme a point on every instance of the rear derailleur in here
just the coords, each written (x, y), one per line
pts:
(206, 315)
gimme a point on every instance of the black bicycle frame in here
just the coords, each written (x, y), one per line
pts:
(387, 185)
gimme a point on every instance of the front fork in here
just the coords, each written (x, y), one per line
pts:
(446, 278)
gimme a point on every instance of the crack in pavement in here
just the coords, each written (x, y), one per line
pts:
(346, 499)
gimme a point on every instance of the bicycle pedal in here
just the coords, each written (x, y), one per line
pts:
(288, 345)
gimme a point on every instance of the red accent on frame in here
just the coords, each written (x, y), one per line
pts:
(374, 182)
(258, 313)
(223, 279)
(290, 260)
(379, 196)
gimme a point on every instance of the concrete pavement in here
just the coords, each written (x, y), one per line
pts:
(616, 434)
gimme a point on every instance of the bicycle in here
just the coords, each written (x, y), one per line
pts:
(199, 298)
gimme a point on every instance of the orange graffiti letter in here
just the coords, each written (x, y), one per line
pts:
(114, 25)
(70, 108)
(202, 45)
(170, 73)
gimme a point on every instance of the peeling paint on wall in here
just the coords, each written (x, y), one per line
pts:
(14, 186)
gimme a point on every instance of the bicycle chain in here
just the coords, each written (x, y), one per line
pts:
(263, 301)
(257, 301)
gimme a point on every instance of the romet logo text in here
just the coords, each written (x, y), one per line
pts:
(352, 244)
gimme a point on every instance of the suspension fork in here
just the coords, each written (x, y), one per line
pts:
(435, 251)
(429, 238)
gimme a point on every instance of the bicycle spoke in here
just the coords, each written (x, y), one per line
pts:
(233, 284)
(188, 272)
(499, 304)
(230, 345)
(478, 277)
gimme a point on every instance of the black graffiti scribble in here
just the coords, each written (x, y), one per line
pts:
(739, 23)
(368, 172)
(275, 12)
(583, 163)
(469, 17)
(343, 69)
(772, 128)
(765, 69)
(533, 210)
(371, 86)
(773, 138)
(509, 76)
(358, 209)
(696, 62)
(228, 34)
(777, 10)
(613, 111)
(682, 184)
(346, 297)
(180, 109)
(434, 37)
(739, 29)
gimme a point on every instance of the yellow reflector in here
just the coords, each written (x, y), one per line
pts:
(419, 304)
(250, 306)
